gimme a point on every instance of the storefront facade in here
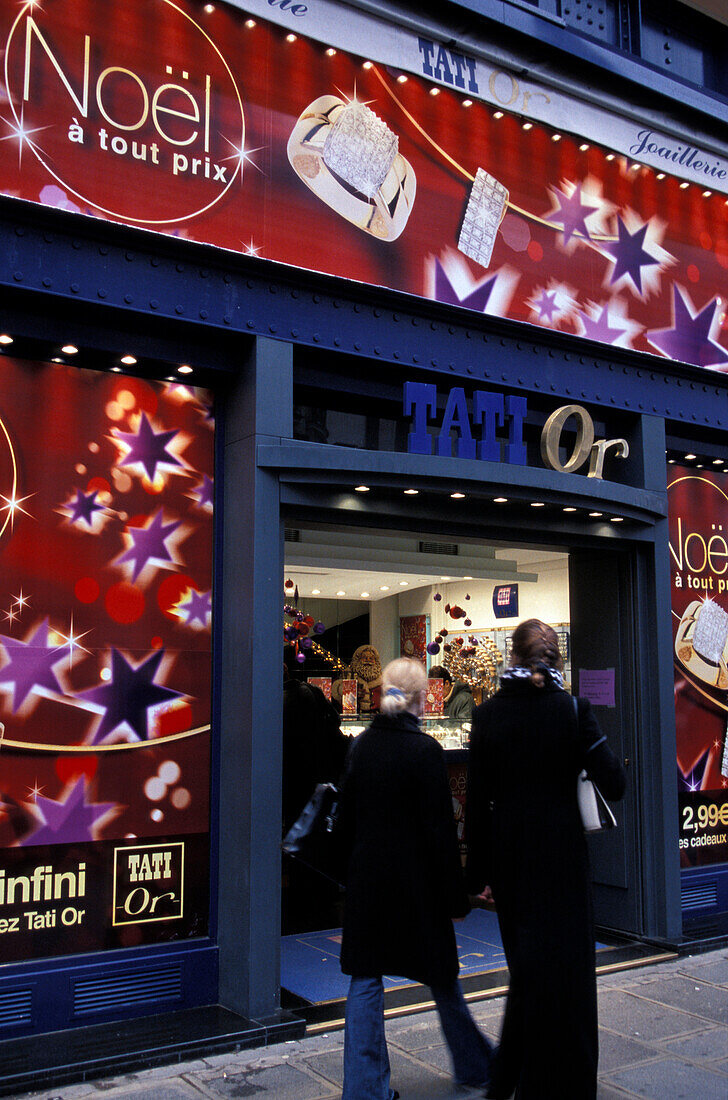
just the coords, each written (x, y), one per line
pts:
(295, 207)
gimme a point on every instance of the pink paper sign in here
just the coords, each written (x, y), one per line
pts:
(597, 685)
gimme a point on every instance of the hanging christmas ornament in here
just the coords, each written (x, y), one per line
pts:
(437, 597)
(288, 584)
(433, 648)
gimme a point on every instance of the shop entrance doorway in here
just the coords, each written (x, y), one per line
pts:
(368, 597)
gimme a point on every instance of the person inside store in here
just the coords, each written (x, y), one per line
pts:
(404, 887)
(527, 853)
(314, 751)
(457, 697)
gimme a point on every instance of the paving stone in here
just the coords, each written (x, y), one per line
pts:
(151, 1090)
(616, 1051)
(708, 1045)
(691, 995)
(276, 1083)
(708, 969)
(669, 1079)
(637, 1018)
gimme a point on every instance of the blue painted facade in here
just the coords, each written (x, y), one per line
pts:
(257, 331)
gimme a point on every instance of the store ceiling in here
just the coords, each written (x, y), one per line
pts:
(374, 565)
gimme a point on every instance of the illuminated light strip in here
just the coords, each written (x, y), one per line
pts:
(468, 176)
(64, 750)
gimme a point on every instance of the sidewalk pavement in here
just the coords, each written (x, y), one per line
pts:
(663, 1034)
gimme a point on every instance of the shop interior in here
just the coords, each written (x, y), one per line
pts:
(355, 600)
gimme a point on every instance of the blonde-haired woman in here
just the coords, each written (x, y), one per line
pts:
(404, 886)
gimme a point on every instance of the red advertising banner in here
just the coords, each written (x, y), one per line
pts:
(105, 659)
(413, 636)
(231, 131)
(698, 514)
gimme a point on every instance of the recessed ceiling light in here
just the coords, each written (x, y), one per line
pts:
(671, 461)
(69, 349)
(684, 184)
(403, 584)
(185, 368)
(596, 515)
(411, 492)
(341, 592)
(660, 175)
(5, 339)
(583, 147)
(718, 461)
(500, 500)
(290, 38)
(250, 23)
(467, 103)
(690, 457)
(129, 360)
(367, 65)
(384, 588)
(610, 156)
(331, 52)
(707, 194)
(445, 578)
(116, 370)
(528, 126)
(617, 519)
(365, 595)
(434, 91)
(401, 79)
(537, 504)
(556, 137)
(570, 509)
(498, 114)
(699, 466)
(209, 8)
(315, 591)
(361, 488)
(55, 359)
(457, 496)
(467, 578)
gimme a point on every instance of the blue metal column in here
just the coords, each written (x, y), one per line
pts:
(656, 709)
(259, 409)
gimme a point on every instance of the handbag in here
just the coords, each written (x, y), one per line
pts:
(312, 837)
(596, 815)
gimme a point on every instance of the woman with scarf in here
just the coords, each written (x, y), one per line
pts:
(404, 886)
(527, 853)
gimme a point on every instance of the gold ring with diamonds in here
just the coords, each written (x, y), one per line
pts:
(350, 158)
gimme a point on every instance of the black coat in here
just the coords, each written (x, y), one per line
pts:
(525, 840)
(404, 881)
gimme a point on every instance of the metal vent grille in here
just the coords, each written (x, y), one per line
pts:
(15, 1007)
(449, 548)
(704, 896)
(291, 536)
(130, 988)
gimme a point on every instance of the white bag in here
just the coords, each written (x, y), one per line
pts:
(595, 812)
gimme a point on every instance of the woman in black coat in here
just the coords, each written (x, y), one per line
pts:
(526, 850)
(404, 886)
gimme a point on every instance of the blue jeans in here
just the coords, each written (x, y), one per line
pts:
(366, 1061)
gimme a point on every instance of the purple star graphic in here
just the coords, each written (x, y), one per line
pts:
(31, 664)
(546, 306)
(630, 257)
(445, 291)
(129, 694)
(148, 447)
(689, 339)
(572, 213)
(204, 491)
(84, 507)
(692, 780)
(149, 542)
(598, 328)
(197, 607)
(70, 821)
